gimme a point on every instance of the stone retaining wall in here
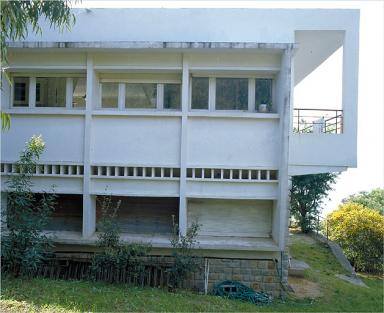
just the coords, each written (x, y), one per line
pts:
(261, 275)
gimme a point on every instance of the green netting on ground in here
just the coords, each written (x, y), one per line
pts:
(235, 290)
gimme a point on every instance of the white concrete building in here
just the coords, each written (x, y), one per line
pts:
(163, 108)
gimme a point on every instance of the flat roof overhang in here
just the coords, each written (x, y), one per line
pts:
(138, 45)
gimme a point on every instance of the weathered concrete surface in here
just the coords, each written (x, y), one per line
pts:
(352, 279)
(297, 268)
(340, 256)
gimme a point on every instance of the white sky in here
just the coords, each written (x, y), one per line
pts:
(323, 86)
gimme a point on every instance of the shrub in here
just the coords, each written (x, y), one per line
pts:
(115, 257)
(24, 246)
(185, 261)
(360, 232)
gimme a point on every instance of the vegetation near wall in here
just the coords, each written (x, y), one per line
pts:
(24, 246)
(360, 232)
(115, 257)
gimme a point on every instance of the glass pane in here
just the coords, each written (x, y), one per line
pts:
(79, 92)
(264, 91)
(172, 96)
(231, 94)
(20, 91)
(50, 91)
(200, 93)
(110, 92)
(140, 96)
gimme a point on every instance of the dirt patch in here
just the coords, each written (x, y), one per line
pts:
(304, 288)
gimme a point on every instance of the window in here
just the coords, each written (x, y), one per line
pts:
(172, 96)
(264, 91)
(231, 94)
(50, 91)
(109, 95)
(140, 96)
(20, 91)
(200, 88)
(79, 92)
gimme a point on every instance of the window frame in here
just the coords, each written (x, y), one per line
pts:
(122, 92)
(32, 89)
(251, 103)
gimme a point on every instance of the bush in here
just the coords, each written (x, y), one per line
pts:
(185, 261)
(24, 246)
(115, 257)
(360, 232)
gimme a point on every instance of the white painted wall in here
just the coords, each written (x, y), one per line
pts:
(63, 137)
(233, 142)
(136, 141)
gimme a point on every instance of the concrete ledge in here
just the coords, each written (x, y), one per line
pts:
(147, 45)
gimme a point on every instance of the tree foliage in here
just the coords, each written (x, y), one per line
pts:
(360, 232)
(373, 199)
(307, 194)
(24, 246)
(19, 17)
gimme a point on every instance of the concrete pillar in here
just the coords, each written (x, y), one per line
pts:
(89, 203)
(286, 85)
(183, 148)
(89, 215)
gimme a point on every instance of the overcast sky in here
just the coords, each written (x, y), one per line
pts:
(323, 86)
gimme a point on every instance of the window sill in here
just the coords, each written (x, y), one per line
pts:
(45, 111)
(128, 112)
(234, 114)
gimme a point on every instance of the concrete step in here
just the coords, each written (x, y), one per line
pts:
(297, 268)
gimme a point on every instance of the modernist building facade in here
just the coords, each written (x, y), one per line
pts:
(184, 117)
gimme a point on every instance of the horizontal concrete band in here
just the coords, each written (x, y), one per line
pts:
(148, 45)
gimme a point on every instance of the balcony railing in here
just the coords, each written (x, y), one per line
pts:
(318, 121)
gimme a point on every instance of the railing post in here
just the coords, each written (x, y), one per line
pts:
(298, 120)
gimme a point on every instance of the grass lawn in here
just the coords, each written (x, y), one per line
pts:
(43, 295)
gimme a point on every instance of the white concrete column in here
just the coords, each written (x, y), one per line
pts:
(183, 147)
(89, 215)
(69, 92)
(89, 203)
(121, 96)
(32, 92)
(350, 86)
(285, 129)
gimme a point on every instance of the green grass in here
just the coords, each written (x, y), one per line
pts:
(43, 295)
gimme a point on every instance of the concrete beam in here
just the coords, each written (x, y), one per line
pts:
(147, 45)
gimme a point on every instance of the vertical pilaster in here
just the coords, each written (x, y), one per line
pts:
(32, 92)
(89, 201)
(285, 130)
(69, 93)
(183, 147)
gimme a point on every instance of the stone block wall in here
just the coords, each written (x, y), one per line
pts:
(260, 274)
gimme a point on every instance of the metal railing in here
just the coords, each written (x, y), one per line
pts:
(318, 121)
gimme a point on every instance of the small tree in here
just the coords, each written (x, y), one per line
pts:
(24, 246)
(307, 194)
(373, 199)
(115, 257)
(185, 261)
